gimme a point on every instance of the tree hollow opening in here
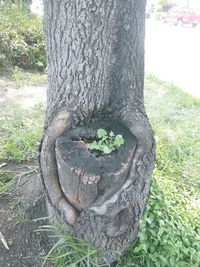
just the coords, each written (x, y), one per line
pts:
(86, 178)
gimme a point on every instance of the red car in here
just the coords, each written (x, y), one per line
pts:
(180, 16)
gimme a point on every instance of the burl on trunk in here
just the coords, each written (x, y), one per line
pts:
(95, 52)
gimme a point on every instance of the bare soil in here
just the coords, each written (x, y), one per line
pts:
(22, 213)
(27, 96)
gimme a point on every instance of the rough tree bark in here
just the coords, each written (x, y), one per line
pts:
(95, 53)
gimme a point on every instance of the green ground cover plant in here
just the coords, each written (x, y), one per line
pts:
(21, 38)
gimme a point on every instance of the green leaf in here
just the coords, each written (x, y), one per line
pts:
(100, 142)
(112, 134)
(107, 142)
(106, 150)
(119, 140)
(101, 133)
(93, 145)
(139, 248)
(104, 138)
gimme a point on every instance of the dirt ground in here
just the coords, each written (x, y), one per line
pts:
(27, 96)
(22, 213)
(22, 208)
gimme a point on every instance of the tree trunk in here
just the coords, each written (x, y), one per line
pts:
(95, 53)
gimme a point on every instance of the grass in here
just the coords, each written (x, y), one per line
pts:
(20, 134)
(169, 233)
(21, 131)
(175, 119)
(71, 251)
(5, 178)
(22, 77)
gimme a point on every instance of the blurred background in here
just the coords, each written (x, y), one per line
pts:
(173, 41)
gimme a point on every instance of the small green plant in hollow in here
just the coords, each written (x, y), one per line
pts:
(106, 142)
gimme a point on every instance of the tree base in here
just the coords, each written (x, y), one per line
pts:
(101, 199)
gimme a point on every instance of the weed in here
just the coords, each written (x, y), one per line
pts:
(169, 234)
(106, 142)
